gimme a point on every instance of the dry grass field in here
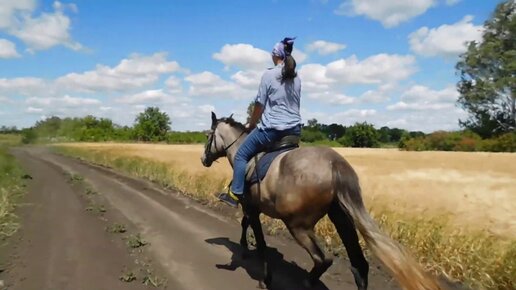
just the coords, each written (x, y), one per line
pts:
(455, 210)
(477, 189)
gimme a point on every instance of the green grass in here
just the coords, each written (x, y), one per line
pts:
(478, 259)
(116, 228)
(128, 276)
(136, 241)
(11, 186)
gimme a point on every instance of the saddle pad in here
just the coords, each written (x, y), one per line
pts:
(264, 163)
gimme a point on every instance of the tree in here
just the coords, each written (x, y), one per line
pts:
(250, 109)
(361, 135)
(333, 131)
(313, 124)
(152, 125)
(488, 80)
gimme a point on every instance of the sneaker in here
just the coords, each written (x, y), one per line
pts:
(229, 198)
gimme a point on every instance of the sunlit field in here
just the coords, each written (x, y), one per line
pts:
(456, 211)
(11, 186)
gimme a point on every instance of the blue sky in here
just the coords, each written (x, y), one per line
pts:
(390, 63)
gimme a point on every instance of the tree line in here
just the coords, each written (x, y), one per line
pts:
(151, 125)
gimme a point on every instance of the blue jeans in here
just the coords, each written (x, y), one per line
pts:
(254, 143)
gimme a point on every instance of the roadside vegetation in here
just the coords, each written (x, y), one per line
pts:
(477, 258)
(12, 186)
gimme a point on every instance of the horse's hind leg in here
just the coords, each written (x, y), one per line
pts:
(348, 234)
(261, 247)
(306, 238)
(243, 238)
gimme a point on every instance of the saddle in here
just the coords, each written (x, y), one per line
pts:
(258, 166)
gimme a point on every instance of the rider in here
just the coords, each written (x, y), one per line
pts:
(277, 107)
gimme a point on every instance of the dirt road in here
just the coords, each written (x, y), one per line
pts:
(63, 246)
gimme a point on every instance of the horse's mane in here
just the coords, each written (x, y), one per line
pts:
(233, 123)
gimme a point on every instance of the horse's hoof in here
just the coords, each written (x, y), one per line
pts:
(262, 285)
(268, 280)
(359, 280)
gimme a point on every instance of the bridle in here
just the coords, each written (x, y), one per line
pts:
(212, 141)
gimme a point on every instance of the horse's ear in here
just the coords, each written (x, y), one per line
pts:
(230, 116)
(213, 118)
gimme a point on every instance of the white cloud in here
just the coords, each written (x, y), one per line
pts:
(383, 71)
(10, 8)
(134, 72)
(5, 100)
(325, 47)
(299, 56)
(211, 85)
(345, 118)
(376, 69)
(32, 110)
(377, 96)
(421, 98)
(332, 98)
(247, 79)
(243, 56)
(390, 13)
(205, 109)
(314, 77)
(174, 85)
(23, 86)
(146, 97)
(445, 40)
(65, 101)
(8, 49)
(46, 30)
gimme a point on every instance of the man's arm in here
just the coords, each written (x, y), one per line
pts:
(255, 116)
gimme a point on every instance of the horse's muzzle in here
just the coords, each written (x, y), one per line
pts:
(207, 162)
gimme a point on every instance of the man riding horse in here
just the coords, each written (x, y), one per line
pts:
(301, 185)
(277, 104)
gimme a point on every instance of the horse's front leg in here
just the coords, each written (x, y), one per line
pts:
(243, 238)
(261, 248)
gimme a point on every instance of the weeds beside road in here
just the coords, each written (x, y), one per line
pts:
(11, 186)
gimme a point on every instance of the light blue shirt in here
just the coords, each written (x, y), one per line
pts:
(281, 101)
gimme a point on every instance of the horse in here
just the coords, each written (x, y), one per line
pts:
(301, 186)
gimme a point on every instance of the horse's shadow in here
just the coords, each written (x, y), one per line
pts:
(286, 275)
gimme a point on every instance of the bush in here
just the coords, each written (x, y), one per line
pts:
(503, 143)
(29, 136)
(414, 144)
(459, 141)
(362, 135)
(311, 135)
(326, 142)
(186, 137)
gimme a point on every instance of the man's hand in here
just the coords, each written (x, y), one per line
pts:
(249, 127)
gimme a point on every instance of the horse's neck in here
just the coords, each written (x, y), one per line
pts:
(231, 153)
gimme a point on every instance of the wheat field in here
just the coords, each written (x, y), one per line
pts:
(454, 211)
(475, 189)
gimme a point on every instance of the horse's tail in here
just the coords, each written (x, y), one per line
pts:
(404, 268)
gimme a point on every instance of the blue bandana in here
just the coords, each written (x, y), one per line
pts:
(283, 48)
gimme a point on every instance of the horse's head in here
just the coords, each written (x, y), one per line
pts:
(220, 138)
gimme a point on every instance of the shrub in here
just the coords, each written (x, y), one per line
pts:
(502, 143)
(186, 137)
(362, 135)
(311, 135)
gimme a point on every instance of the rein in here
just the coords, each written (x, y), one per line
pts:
(227, 147)
(207, 150)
